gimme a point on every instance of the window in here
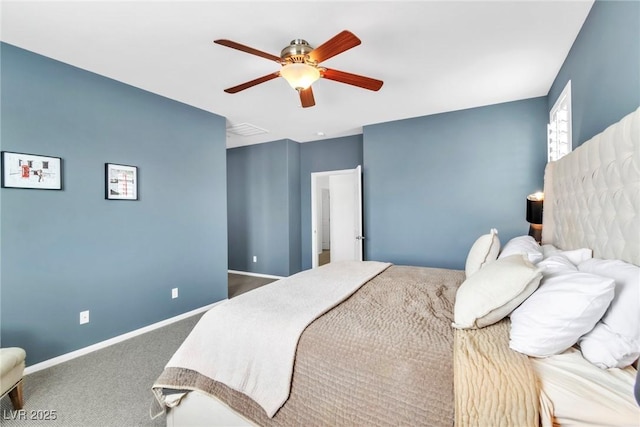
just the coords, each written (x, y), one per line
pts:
(559, 127)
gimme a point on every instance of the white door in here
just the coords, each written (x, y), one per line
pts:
(346, 215)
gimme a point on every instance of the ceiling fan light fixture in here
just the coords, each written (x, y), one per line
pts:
(299, 75)
(300, 65)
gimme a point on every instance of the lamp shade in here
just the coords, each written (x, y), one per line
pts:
(300, 76)
(535, 204)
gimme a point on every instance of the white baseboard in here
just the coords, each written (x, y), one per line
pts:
(98, 346)
(246, 273)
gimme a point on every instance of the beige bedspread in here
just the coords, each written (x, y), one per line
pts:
(494, 385)
(249, 342)
(382, 357)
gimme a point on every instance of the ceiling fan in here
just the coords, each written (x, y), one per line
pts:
(300, 65)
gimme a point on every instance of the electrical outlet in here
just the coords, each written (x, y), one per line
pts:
(84, 317)
(255, 258)
(174, 293)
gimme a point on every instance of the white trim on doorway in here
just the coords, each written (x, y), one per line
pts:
(316, 192)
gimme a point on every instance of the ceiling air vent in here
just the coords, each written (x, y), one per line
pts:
(245, 129)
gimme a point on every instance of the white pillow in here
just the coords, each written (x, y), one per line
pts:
(576, 256)
(615, 340)
(525, 245)
(556, 264)
(483, 251)
(493, 292)
(566, 305)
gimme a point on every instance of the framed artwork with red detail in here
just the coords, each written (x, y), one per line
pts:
(121, 182)
(21, 170)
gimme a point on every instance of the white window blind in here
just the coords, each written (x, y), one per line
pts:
(559, 127)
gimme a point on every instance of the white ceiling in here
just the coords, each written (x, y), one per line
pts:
(433, 56)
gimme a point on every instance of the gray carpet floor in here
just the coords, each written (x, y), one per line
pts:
(109, 387)
(240, 283)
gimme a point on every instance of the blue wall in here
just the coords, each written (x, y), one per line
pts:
(72, 250)
(604, 68)
(264, 203)
(269, 200)
(321, 156)
(434, 184)
(293, 177)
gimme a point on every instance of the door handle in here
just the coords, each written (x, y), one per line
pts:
(359, 237)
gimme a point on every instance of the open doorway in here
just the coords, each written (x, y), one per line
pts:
(336, 216)
(324, 222)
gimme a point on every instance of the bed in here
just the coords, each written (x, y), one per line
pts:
(377, 344)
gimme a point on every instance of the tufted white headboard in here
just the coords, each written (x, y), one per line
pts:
(592, 195)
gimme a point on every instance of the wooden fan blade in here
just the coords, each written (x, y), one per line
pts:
(352, 79)
(306, 97)
(338, 44)
(251, 83)
(247, 49)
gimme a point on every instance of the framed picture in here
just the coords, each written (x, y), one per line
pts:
(121, 182)
(20, 170)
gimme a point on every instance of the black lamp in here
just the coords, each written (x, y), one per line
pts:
(534, 215)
